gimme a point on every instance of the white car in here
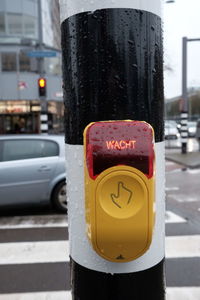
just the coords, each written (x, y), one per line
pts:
(32, 170)
(171, 131)
(192, 127)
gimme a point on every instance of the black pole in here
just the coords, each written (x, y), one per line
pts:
(112, 70)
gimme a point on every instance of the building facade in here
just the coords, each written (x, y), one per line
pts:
(20, 45)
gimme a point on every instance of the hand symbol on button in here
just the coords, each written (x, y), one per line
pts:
(123, 196)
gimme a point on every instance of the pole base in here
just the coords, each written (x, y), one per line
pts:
(89, 284)
(184, 148)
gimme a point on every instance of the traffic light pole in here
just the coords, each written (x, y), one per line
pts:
(184, 112)
(112, 70)
(185, 104)
(43, 101)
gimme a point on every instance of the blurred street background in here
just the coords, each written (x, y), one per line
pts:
(34, 250)
(24, 57)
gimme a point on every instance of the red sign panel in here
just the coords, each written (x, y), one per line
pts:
(129, 143)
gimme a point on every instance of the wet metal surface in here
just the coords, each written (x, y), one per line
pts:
(112, 69)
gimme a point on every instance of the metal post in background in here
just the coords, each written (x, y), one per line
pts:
(185, 104)
(43, 100)
(112, 70)
(184, 110)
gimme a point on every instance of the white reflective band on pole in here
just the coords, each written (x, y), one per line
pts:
(44, 126)
(184, 115)
(81, 250)
(184, 122)
(43, 117)
(184, 134)
(184, 128)
(69, 8)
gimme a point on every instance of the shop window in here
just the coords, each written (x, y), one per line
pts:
(14, 24)
(21, 25)
(2, 23)
(30, 26)
(8, 61)
(53, 65)
(14, 107)
(24, 63)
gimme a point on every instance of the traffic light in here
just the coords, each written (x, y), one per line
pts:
(119, 188)
(42, 87)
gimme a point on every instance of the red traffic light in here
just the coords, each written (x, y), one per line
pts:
(42, 87)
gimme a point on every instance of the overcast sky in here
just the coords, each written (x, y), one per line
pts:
(181, 18)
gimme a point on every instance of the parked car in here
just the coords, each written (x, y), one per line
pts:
(171, 131)
(175, 124)
(32, 170)
(192, 126)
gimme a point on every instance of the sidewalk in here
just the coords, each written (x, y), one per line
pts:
(190, 159)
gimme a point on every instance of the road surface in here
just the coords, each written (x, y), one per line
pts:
(34, 249)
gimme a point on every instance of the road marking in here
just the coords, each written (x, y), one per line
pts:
(34, 252)
(58, 251)
(183, 246)
(182, 198)
(171, 217)
(54, 221)
(174, 171)
(169, 163)
(182, 293)
(40, 221)
(193, 171)
(61, 295)
(173, 188)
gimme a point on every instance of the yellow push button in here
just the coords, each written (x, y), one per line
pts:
(122, 216)
(120, 194)
(119, 166)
